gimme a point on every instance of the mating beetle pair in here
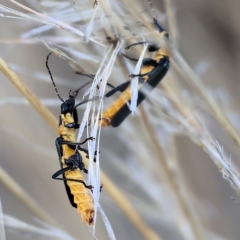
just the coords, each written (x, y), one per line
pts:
(152, 72)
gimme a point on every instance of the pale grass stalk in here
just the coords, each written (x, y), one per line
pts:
(51, 21)
(94, 131)
(33, 40)
(90, 26)
(173, 95)
(112, 17)
(113, 191)
(128, 209)
(107, 223)
(99, 75)
(184, 190)
(134, 81)
(64, 56)
(19, 192)
(26, 8)
(28, 94)
(50, 102)
(181, 67)
(105, 8)
(2, 228)
(215, 151)
(169, 178)
(172, 23)
(196, 84)
(28, 229)
(201, 137)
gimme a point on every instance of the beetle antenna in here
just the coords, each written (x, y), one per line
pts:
(52, 78)
(155, 21)
(152, 9)
(75, 92)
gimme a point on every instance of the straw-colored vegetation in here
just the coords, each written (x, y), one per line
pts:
(169, 171)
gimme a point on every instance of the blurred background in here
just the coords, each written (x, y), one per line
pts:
(165, 159)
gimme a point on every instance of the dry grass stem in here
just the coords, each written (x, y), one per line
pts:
(28, 94)
(175, 100)
(172, 23)
(18, 191)
(191, 213)
(115, 193)
(2, 227)
(200, 136)
(32, 231)
(197, 86)
(195, 227)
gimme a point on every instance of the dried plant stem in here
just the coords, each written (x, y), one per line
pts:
(173, 96)
(197, 232)
(28, 94)
(16, 189)
(108, 185)
(184, 187)
(2, 228)
(202, 139)
(128, 209)
(172, 22)
(192, 79)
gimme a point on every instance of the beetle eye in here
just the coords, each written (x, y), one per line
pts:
(153, 48)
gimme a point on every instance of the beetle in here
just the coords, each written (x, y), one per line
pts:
(151, 73)
(70, 157)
